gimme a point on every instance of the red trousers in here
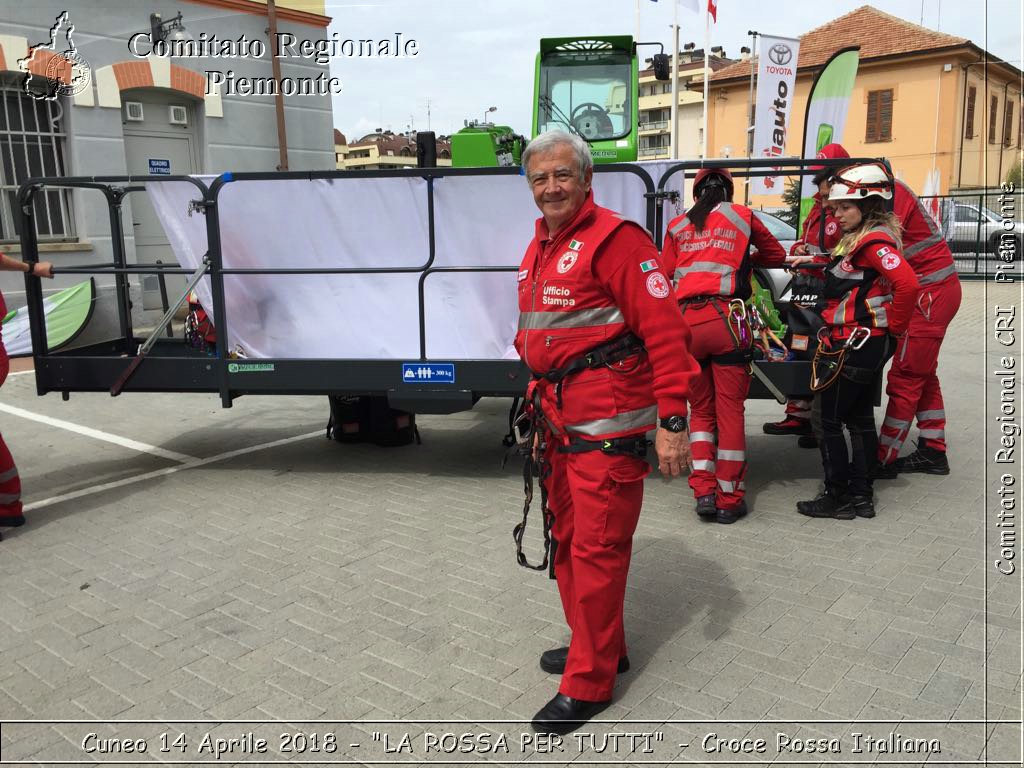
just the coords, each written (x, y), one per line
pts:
(596, 502)
(717, 404)
(913, 386)
(798, 409)
(10, 483)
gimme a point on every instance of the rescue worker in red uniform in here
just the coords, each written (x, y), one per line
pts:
(707, 252)
(913, 384)
(869, 294)
(10, 483)
(590, 283)
(819, 236)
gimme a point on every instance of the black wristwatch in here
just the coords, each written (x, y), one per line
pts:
(674, 423)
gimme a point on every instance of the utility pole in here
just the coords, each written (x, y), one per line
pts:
(674, 114)
(750, 112)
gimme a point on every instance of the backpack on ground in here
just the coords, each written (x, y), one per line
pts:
(370, 420)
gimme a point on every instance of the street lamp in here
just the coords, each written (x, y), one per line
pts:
(161, 28)
(488, 111)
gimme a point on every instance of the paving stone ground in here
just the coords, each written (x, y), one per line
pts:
(311, 581)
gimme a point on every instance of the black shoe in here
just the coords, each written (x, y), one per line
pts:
(926, 460)
(706, 507)
(553, 661)
(863, 506)
(807, 441)
(826, 504)
(788, 426)
(730, 516)
(886, 471)
(12, 522)
(564, 714)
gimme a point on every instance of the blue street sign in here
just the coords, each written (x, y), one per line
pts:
(159, 167)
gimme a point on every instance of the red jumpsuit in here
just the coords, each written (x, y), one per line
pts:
(10, 483)
(594, 280)
(708, 268)
(913, 386)
(820, 236)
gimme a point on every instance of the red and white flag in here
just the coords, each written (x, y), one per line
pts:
(713, 10)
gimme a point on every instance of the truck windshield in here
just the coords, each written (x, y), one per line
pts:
(592, 99)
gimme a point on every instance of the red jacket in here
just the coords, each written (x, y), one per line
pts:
(700, 265)
(923, 244)
(594, 280)
(812, 235)
(873, 287)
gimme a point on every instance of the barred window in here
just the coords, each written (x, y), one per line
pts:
(32, 144)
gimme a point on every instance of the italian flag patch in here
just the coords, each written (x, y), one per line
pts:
(575, 245)
(647, 266)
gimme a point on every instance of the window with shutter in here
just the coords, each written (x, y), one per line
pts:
(879, 122)
(993, 110)
(972, 97)
(1007, 123)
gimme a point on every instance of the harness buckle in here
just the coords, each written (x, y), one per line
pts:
(857, 338)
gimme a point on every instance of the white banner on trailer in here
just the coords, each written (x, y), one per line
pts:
(356, 222)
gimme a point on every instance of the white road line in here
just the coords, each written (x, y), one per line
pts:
(21, 373)
(124, 442)
(191, 464)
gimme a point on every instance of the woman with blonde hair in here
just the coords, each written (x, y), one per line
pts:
(869, 295)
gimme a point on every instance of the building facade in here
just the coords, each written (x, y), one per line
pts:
(384, 150)
(198, 109)
(945, 113)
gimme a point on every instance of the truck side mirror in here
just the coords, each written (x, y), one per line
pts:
(426, 149)
(662, 66)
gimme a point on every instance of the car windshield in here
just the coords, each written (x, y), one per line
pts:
(780, 230)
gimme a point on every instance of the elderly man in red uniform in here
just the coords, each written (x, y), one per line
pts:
(607, 346)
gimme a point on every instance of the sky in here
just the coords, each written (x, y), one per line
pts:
(474, 54)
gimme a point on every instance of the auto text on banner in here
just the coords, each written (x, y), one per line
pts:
(776, 89)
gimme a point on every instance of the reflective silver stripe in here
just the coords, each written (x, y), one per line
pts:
(622, 422)
(702, 437)
(580, 318)
(704, 464)
(732, 212)
(9, 498)
(10, 474)
(703, 266)
(840, 310)
(895, 423)
(730, 487)
(842, 274)
(928, 242)
(933, 434)
(929, 415)
(727, 455)
(800, 405)
(937, 276)
(886, 440)
(876, 305)
(683, 224)
(936, 235)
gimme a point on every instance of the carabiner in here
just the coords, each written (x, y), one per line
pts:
(857, 337)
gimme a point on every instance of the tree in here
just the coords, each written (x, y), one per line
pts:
(1016, 175)
(791, 199)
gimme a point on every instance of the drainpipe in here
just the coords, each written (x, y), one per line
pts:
(275, 63)
(963, 122)
(999, 136)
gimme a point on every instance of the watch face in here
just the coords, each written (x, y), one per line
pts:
(674, 424)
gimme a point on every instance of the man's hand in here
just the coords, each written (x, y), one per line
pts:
(44, 269)
(673, 449)
(796, 261)
(800, 249)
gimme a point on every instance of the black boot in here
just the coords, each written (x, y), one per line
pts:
(730, 516)
(885, 471)
(564, 714)
(827, 504)
(926, 460)
(706, 507)
(863, 506)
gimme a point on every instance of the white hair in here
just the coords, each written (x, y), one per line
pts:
(549, 140)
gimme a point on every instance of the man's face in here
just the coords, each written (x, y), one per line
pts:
(557, 188)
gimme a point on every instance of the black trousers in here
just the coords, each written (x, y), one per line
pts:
(849, 402)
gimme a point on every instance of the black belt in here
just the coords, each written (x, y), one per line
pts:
(616, 446)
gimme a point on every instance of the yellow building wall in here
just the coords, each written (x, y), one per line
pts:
(926, 124)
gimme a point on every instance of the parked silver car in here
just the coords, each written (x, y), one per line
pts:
(970, 228)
